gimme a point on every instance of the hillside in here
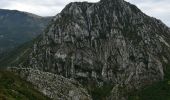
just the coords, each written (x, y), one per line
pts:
(157, 91)
(18, 27)
(13, 87)
(17, 55)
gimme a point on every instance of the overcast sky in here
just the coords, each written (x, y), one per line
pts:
(156, 8)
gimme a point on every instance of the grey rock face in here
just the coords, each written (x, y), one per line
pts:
(108, 41)
(54, 86)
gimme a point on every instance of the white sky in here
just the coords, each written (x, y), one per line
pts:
(155, 8)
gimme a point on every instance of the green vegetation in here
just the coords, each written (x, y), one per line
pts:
(158, 91)
(14, 88)
(19, 27)
(16, 55)
(99, 93)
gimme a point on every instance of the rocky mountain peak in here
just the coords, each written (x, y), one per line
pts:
(111, 1)
(109, 42)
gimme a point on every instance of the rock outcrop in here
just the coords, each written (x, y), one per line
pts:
(111, 41)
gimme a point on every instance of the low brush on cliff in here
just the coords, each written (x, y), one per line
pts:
(157, 91)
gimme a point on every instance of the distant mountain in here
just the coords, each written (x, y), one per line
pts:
(17, 27)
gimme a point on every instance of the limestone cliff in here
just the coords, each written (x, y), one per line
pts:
(111, 41)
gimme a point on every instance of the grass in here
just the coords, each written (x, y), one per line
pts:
(18, 55)
(157, 91)
(12, 87)
(12, 57)
(99, 93)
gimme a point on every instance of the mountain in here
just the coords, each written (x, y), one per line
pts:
(12, 87)
(111, 47)
(18, 27)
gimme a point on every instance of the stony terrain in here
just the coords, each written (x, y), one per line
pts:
(54, 86)
(109, 42)
(12, 87)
